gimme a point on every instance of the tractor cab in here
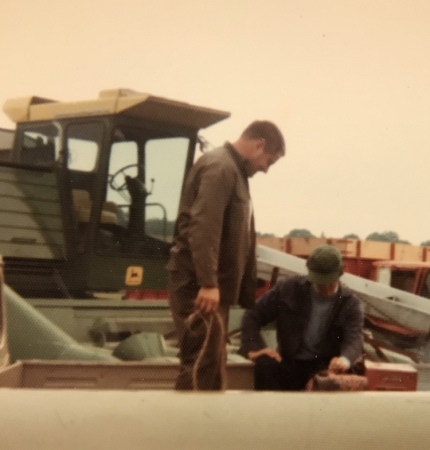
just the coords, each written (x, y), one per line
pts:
(90, 195)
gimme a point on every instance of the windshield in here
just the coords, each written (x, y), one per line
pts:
(145, 181)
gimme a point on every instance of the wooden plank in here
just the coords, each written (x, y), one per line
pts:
(406, 252)
(348, 248)
(161, 373)
(375, 250)
(304, 246)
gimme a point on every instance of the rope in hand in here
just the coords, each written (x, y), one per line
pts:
(214, 342)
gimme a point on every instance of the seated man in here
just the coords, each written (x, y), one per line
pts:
(318, 326)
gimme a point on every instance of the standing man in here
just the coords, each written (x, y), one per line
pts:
(212, 262)
(318, 321)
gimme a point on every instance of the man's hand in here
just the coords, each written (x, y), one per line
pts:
(338, 365)
(265, 351)
(207, 300)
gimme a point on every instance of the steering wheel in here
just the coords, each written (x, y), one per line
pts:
(113, 179)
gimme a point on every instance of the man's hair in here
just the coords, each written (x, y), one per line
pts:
(263, 129)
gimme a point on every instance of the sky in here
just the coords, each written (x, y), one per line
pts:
(347, 82)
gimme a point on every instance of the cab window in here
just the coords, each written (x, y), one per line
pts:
(39, 145)
(143, 188)
(82, 145)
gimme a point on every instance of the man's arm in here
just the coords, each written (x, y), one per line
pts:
(352, 343)
(339, 364)
(214, 188)
(253, 355)
(265, 311)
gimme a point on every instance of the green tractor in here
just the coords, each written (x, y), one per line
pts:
(90, 193)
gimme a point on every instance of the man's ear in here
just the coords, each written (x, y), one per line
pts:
(260, 144)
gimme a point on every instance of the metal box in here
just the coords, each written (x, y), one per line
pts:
(390, 376)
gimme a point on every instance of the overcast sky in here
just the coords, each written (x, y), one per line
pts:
(348, 83)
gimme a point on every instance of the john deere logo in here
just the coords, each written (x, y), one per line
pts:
(134, 276)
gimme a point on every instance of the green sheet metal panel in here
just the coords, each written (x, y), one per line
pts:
(107, 273)
(30, 214)
(32, 336)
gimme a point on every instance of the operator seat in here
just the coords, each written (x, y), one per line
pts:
(82, 205)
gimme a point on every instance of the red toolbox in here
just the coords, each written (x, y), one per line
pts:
(390, 376)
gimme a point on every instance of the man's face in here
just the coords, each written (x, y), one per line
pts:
(260, 160)
(326, 290)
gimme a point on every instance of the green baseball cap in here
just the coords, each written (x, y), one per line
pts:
(324, 265)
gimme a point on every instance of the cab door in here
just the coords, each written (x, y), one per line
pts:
(145, 173)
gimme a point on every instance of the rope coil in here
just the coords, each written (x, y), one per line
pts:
(213, 348)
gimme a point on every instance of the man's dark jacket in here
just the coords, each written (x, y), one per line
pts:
(215, 241)
(288, 304)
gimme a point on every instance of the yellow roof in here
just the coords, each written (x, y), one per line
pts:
(115, 101)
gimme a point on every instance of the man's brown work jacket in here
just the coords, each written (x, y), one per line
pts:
(215, 239)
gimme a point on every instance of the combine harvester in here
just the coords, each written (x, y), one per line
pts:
(89, 195)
